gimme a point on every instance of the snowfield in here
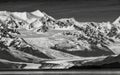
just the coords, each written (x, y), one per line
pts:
(35, 40)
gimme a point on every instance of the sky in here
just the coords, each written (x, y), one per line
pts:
(81, 10)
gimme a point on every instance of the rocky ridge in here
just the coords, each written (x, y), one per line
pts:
(61, 43)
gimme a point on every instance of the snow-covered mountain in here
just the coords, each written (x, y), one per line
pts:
(36, 40)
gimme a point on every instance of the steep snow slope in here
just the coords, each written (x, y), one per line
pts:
(117, 21)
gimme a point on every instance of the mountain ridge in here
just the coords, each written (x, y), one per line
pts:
(60, 43)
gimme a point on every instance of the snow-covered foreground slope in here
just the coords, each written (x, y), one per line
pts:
(35, 40)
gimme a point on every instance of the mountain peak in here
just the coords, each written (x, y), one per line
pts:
(21, 15)
(38, 13)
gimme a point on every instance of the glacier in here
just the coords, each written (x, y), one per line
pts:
(35, 40)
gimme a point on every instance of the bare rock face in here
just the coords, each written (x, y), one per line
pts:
(35, 40)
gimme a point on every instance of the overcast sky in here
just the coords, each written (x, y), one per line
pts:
(82, 10)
